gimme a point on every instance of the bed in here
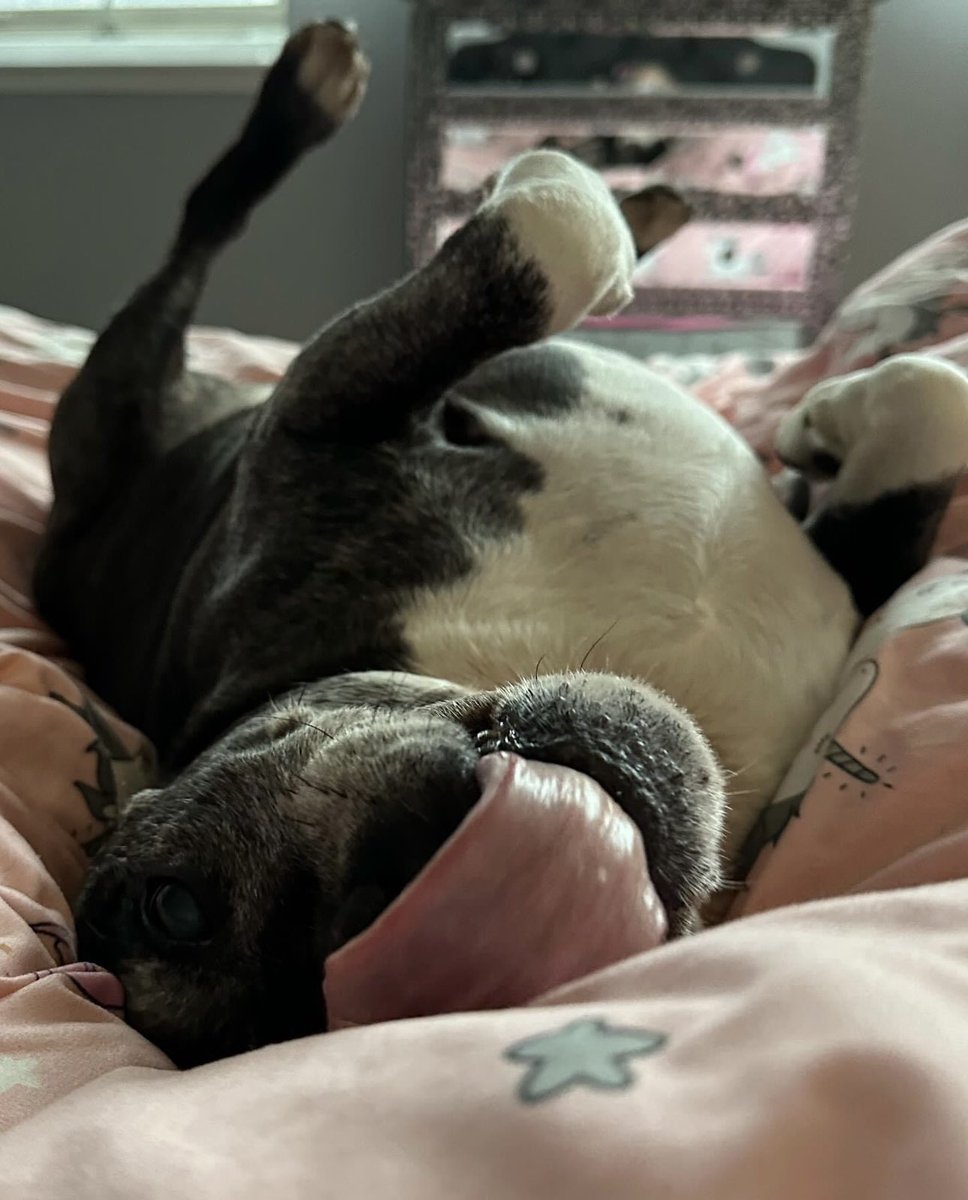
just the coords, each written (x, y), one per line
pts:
(815, 1047)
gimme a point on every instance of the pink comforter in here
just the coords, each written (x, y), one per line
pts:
(817, 1050)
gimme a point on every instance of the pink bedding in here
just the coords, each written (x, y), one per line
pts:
(819, 1049)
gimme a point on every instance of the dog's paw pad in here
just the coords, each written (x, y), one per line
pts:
(565, 220)
(333, 71)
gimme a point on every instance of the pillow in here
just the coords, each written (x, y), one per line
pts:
(918, 303)
(66, 762)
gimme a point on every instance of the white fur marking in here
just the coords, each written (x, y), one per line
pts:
(567, 221)
(658, 551)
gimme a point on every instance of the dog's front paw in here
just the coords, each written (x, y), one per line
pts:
(904, 421)
(812, 438)
(565, 220)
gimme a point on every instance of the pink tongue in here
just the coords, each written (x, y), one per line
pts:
(545, 881)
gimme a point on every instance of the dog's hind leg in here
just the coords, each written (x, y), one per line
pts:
(895, 439)
(132, 398)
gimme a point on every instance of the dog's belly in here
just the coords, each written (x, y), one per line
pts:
(657, 549)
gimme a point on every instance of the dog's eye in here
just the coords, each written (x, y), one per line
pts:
(170, 911)
(460, 425)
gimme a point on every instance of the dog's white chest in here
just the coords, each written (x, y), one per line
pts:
(617, 549)
(655, 549)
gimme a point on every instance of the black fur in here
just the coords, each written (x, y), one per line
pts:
(350, 452)
(231, 572)
(232, 575)
(876, 547)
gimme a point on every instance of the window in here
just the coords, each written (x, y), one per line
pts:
(134, 33)
(113, 17)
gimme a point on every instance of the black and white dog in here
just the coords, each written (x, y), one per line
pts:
(442, 534)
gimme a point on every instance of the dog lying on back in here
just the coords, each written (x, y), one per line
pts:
(442, 534)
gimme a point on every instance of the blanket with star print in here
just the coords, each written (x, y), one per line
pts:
(818, 1049)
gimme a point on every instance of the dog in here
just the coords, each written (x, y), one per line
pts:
(446, 532)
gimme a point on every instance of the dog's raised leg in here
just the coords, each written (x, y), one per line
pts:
(548, 247)
(895, 438)
(128, 402)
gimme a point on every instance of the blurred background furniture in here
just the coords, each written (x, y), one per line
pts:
(751, 107)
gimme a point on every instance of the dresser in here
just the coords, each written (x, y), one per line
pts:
(750, 108)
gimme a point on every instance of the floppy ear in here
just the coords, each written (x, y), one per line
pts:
(653, 215)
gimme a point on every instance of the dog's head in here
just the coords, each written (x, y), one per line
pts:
(219, 897)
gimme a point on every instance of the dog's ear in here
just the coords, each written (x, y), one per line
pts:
(653, 215)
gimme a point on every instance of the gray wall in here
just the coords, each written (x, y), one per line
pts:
(914, 157)
(89, 184)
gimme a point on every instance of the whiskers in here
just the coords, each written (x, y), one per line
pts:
(330, 737)
(730, 775)
(565, 661)
(595, 644)
(324, 789)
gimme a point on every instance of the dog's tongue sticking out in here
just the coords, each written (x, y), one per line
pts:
(545, 881)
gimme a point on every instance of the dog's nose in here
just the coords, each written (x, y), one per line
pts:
(96, 913)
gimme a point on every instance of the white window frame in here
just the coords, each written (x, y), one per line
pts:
(191, 48)
(111, 18)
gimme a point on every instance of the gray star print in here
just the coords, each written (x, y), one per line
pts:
(587, 1053)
